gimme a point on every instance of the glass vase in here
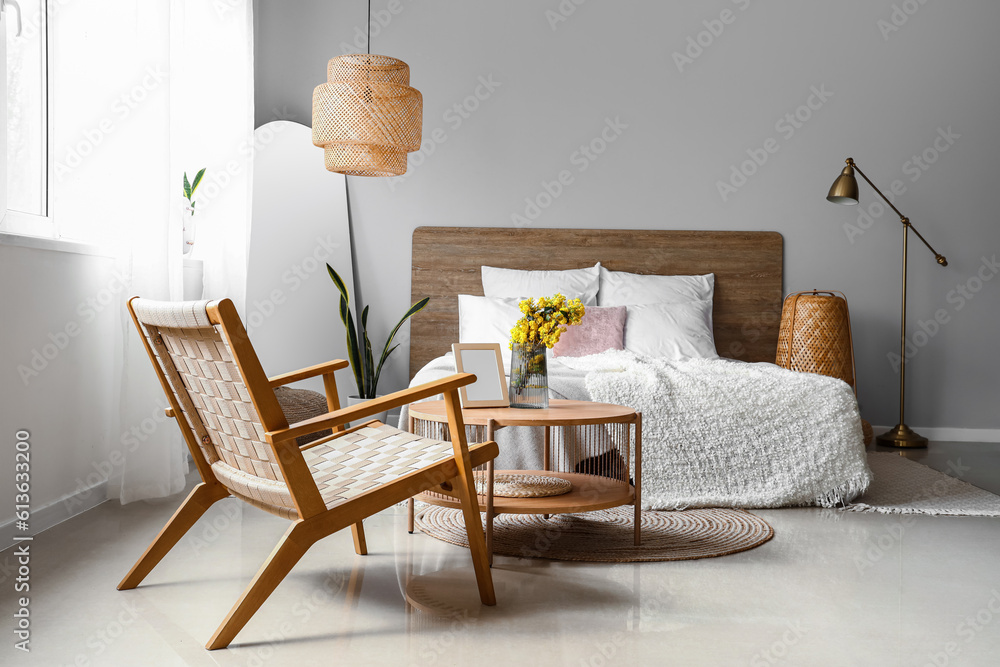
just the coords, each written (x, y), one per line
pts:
(189, 230)
(529, 376)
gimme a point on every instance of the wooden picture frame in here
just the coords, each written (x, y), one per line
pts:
(484, 361)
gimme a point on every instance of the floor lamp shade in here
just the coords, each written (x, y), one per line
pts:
(366, 117)
(845, 189)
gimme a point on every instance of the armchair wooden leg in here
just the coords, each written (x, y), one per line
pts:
(358, 533)
(465, 489)
(196, 504)
(477, 545)
(295, 542)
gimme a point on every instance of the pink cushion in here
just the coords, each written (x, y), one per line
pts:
(601, 329)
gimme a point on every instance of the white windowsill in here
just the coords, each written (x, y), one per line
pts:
(54, 245)
(27, 230)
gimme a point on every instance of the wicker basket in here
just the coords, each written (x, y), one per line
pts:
(815, 337)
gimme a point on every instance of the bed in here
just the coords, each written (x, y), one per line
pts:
(787, 439)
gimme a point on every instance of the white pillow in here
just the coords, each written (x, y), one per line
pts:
(619, 288)
(573, 284)
(482, 319)
(671, 330)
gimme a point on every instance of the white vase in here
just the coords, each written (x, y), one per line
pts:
(381, 416)
(189, 230)
(194, 279)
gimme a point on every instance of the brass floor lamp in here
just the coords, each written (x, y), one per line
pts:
(845, 191)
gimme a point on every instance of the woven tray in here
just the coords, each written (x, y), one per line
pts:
(523, 486)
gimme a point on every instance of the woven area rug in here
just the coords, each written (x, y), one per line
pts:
(607, 535)
(901, 486)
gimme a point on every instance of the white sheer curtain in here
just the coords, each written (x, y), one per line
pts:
(212, 116)
(139, 93)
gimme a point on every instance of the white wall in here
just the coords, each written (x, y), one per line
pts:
(299, 225)
(58, 370)
(890, 94)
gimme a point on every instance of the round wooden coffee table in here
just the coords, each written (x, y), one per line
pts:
(599, 481)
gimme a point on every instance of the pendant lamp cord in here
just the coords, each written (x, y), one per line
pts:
(369, 40)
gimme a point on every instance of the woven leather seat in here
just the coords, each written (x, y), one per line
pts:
(243, 445)
(374, 455)
(343, 468)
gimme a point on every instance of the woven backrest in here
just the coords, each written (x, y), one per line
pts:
(815, 335)
(199, 364)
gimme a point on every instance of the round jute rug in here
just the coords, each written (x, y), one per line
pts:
(606, 536)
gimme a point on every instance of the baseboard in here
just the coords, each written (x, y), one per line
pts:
(951, 434)
(55, 513)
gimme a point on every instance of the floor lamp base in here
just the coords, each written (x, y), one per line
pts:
(901, 435)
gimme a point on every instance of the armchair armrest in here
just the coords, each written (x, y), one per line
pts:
(306, 373)
(337, 418)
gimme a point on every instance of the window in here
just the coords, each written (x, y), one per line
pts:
(25, 31)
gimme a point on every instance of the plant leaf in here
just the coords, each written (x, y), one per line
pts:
(335, 277)
(414, 309)
(370, 384)
(366, 356)
(355, 335)
(352, 344)
(187, 187)
(197, 180)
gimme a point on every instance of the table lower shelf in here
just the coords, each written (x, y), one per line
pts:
(589, 493)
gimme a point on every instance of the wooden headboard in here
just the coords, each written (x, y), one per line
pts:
(747, 268)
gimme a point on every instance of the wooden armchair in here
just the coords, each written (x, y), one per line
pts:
(243, 446)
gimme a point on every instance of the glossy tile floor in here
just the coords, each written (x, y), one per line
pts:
(831, 588)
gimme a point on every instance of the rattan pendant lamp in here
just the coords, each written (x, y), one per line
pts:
(366, 117)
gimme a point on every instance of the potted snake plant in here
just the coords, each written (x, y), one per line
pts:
(359, 348)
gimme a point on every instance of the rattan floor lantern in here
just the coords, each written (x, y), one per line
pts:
(366, 117)
(815, 337)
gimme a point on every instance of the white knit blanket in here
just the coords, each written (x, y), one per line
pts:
(716, 433)
(727, 433)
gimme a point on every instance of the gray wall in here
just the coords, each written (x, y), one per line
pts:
(892, 94)
(59, 370)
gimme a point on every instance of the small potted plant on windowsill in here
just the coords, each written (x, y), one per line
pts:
(189, 190)
(359, 347)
